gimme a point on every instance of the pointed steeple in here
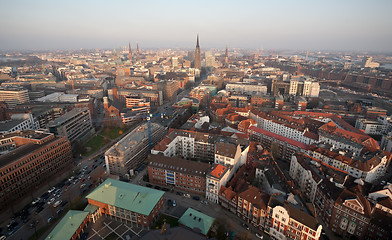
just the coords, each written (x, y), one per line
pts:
(137, 51)
(227, 56)
(130, 52)
(197, 63)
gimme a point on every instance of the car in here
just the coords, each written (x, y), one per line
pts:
(197, 198)
(157, 187)
(82, 180)
(63, 203)
(50, 219)
(89, 177)
(52, 200)
(179, 193)
(11, 225)
(169, 202)
(165, 189)
(148, 185)
(204, 202)
(95, 160)
(51, 190)
(174, 203)
(104, 165)
(45, 196)
(58, 212)
(245, 226)
(83, 185)
(259, 236)
(56, 204)
(36, 201)
(187, 195)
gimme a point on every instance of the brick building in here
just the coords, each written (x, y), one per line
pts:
(132, 203)
(29, 159)
(183, 174)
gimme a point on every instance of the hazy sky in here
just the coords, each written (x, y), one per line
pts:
(273, 24)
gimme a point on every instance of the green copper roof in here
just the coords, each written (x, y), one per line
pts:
(195, 219)
(66, 228)
(128, 196)
(90, 208)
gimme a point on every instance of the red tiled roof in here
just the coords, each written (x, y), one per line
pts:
(217, 170)
(279, 137)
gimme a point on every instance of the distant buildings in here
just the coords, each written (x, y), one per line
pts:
(247, 89)
(14, 96)
(28, 159)
(73, 125)
(132, 150)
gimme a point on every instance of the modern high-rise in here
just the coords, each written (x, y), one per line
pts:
(73, 125)
(197, 55)
(14, 96)
(132, 150)
(27, 159)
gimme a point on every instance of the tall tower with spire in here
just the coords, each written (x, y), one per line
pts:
(137, 51)
(227, 57)
(130, 52)
(197, 54)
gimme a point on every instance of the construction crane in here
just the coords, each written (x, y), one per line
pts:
(149, 116)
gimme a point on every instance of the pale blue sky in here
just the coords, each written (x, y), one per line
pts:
(277, 24)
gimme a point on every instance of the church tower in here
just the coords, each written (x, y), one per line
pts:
(130, 52)
(227, 57)
(197, 54)
(137, 51)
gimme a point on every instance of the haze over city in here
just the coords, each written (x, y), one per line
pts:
(296, 25)
(197, 120)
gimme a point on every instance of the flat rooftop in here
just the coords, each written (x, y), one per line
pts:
(66, 117)
(132, 139)
(21, 151)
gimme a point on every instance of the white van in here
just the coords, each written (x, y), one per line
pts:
(56, 204)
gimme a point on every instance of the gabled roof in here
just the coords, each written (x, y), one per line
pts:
(128, 196)
(196, 220)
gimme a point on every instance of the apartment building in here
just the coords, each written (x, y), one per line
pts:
(247, 89)
(19, 122)
(28, 159)
(371, 127)
(216, 177)
(132, 150)
(182, 174)
(286, 146)
(187, 144)
(284, 221)
(73, 125)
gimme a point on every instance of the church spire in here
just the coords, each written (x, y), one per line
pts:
(197, 54)
(137, 51)
(227, 56)
(130, 52)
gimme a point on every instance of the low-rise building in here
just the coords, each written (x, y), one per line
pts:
(71, 226)
(129, 202)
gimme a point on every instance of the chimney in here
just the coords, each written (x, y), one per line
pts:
(105, 102)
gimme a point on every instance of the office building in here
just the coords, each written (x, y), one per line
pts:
(28, 159)
(128, 202)
(132, 150)
(73, 125)
(14, 96)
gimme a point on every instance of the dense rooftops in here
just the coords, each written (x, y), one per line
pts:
(178, 164)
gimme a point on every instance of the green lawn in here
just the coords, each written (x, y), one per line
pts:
(113, 132)
(170, 220)
(94, 144)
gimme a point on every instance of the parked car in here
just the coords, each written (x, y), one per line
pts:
(36, 201)
(50, 219)
(157, 187)
(259, 236)
(245, 226)
(197, 198)
(187, 195)
(148, 185)
(174, 203)
(204, 202)
(56, 204)
(169, 202)
(165, 189)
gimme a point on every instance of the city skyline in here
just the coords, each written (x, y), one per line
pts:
(303, 25)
